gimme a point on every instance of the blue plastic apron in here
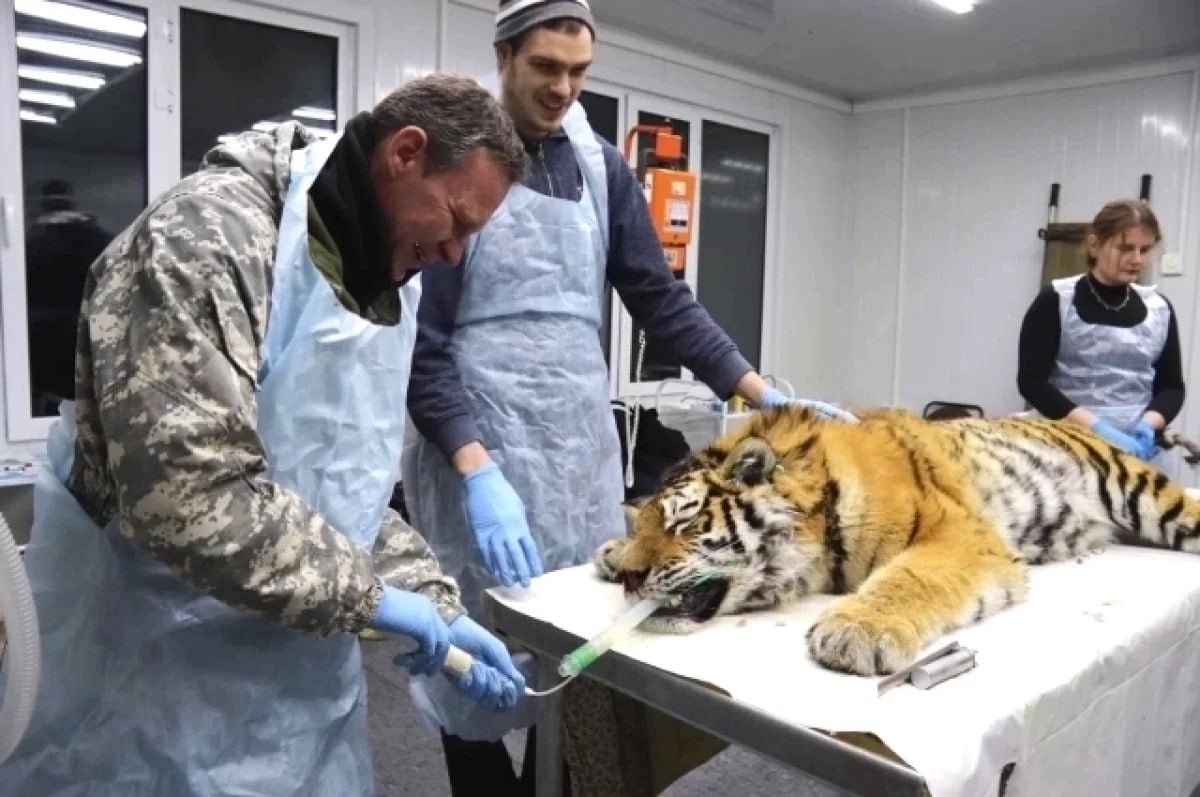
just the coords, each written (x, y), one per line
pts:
(527, 346)
(1109, 370)
(526, 343)
(151, 688)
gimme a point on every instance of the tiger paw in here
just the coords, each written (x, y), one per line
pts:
(852, 637)
(607, 558)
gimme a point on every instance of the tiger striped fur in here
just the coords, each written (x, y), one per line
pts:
(921, 526)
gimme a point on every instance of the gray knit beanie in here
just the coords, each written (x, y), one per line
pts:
(517, 16)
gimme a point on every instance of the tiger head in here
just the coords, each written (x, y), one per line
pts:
(721, 535)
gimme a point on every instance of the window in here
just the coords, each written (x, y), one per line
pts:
(604, 114)
(732, 240)
(108, 121)
(236, 74)
(83, 131)
(726, 260)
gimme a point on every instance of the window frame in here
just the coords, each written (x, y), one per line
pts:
(775, 138)
(695, 115)
(351, 22)
(351, 93)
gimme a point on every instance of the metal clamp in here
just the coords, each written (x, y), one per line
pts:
(943, 664)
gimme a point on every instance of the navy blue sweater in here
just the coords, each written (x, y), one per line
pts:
(636, 267)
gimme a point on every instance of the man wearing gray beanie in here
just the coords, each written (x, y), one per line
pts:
(515, 465)
(518, 16)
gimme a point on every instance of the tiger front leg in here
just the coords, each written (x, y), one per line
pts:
(947, 579)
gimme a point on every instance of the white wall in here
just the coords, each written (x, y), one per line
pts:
(947, 200)
(872, 281)
(810, 293)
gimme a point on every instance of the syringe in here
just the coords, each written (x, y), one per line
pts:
(582, 657)
(458, 661)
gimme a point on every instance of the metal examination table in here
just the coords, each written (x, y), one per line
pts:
(1089, 688)
(812, 753)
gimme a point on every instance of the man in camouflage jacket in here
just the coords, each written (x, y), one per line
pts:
(177, 309)
(167, 443)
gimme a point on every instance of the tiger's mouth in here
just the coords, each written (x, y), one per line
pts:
(699, 603)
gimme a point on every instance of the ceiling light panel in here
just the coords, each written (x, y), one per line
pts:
(83, 16)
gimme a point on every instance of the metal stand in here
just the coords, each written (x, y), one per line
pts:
(549, 731)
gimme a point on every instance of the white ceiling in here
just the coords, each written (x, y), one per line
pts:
(861, 50)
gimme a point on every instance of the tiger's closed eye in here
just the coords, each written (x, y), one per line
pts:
(680, 510)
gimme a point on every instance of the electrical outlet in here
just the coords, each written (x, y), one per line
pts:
(1172, 264)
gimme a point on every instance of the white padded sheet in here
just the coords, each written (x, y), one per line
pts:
(1092, 687)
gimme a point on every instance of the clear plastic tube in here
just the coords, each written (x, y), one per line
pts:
(458, 661)
(582, 657)
(22, 656)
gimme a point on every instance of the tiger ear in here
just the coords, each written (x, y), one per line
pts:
(751, 461)
(680, 469)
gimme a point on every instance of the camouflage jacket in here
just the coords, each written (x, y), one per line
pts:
(175, 311)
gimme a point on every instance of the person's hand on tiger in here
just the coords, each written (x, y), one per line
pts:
(497, 517)
(1118, 438)
(774, 397)
(1144, 436)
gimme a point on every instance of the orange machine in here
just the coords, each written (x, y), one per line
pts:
(670, 190)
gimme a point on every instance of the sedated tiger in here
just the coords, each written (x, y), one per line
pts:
(921, 526)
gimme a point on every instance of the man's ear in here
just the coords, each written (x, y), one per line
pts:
(504, 55)
(407, 148)
(750, 462)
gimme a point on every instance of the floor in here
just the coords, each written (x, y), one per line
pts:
(408, 756)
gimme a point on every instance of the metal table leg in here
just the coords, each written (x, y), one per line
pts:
(549, 731)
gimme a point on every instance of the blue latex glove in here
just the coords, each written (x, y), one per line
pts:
(1143, 435)
(775, 398)
(1115, 436)
(493, 680)
(497, 518)
(413, 615)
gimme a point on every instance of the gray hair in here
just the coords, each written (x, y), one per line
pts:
(458, 116)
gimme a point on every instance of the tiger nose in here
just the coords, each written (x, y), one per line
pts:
(634, 579)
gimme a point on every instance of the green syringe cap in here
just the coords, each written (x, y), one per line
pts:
(577, 661)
